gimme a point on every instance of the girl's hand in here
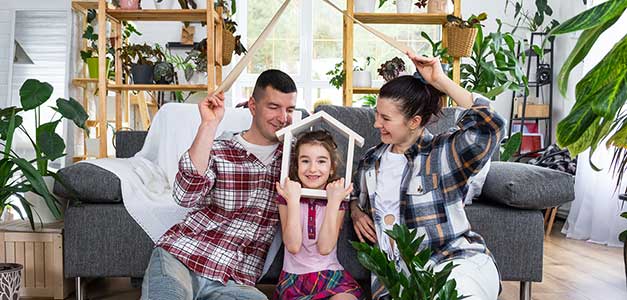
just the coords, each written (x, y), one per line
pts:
(290, 190)
(336, 191)
(430, 69)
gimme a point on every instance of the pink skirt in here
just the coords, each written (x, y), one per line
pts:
(316, 285)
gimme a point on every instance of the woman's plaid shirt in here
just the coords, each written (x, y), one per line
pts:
(228, 236)
(433, 184)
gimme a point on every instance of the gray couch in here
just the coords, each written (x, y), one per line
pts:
(102, 240)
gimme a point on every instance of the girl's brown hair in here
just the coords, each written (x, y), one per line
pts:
(317, 137)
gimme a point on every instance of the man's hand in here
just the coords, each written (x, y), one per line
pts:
(212, 109)
(363, 225)
(336, 192)
(290, 190)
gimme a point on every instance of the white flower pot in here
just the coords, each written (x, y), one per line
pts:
(39, 204)
(93, 147)
(10, 279)
(362, 79)
(164, 4)
(364, 6)
(404, 6)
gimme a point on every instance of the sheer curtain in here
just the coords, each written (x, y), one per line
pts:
(594, 215)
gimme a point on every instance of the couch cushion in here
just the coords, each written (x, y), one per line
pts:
(526, 186)
(88, 183)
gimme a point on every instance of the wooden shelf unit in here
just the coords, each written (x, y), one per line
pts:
(106, 12)
(386, 18)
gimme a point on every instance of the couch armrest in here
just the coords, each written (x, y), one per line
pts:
(526, 186)
(88, 183)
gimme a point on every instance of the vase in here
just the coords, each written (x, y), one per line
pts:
(92, 66)
(10, 280)
(364, 6)
(142, 74)
(404, 6)
(129, 4)
(362, 79)
(439, 6)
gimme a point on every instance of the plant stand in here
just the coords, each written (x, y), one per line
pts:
(41, 254)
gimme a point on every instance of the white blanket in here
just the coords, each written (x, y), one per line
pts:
(146, 179)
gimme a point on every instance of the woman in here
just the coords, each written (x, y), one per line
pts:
(419, 179)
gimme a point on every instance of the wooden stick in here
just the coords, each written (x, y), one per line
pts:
(392, 42)
(237, 70)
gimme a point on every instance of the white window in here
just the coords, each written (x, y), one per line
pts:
(307, 43)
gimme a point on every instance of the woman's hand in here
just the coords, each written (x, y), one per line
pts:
(430, 68)
(336, 192)
(363, 225)
(290, 190)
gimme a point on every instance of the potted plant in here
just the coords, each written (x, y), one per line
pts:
(391, 68)
(462, 33)
(493, 66)
(139, 60)
(127, 4)
(90, 54)
(338, 76)
(163, 71)
(230, 42)
(361, 77)
(437, 50)
(420, 280)
(19, 175)
(597, 115)
(528, 20)
(405, 6)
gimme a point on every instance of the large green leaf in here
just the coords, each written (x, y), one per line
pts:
(73, 110)
(9, 120)
(592, 17)
(38, 184)
(584, 44)
(606, 83)
(49, 142)
(34, 93)
(511, 146)
(575, 124)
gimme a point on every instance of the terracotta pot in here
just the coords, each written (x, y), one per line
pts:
(439, 6)
(129, 4)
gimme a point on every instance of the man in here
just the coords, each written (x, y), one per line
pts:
(218, 250)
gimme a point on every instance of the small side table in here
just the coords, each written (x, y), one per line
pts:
(41, 254)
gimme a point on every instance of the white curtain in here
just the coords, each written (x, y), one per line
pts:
(595, 214)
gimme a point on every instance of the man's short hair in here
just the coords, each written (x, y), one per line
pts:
(277, 79)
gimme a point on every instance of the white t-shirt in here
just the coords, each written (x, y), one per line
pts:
(387, 196)
(263, 153)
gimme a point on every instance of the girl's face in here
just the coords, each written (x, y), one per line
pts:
(395, 129)
(314, 166)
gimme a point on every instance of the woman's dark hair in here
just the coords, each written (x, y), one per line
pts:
(413, 97)
(317, 137)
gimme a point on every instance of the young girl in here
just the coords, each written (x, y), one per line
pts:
(311, 226)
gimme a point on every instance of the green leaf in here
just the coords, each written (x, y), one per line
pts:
(34, 93)
(579, 52)
(606, 83)
(497, 90)
(8, 115)
(574, 125)
(592, 17)
(49, 142)
(73, 110)
(38, 184)
(623, 236)
(27, 208)
(511, 146)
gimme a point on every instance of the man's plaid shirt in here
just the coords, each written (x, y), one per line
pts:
(230, 232)
(434, 180)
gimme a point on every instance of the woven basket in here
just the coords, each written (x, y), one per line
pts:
(460, 40)
(228, 46)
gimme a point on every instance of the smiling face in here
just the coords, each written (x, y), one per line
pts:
(314, 166)
(271, 112)
(394, 127)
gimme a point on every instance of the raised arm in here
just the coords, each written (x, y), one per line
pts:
(195, 178)
(333, 216)
(289, 212)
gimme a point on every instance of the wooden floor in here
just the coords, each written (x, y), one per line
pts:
(573, 270)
